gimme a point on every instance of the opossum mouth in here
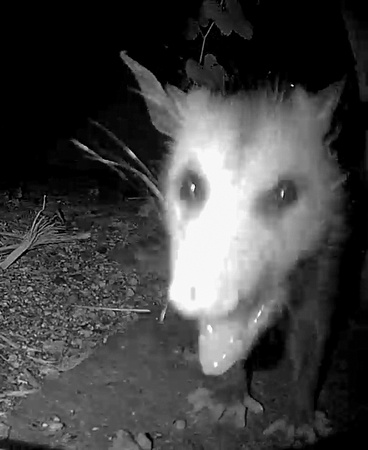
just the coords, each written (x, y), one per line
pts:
(223, 342)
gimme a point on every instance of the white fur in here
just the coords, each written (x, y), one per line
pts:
(242, 145)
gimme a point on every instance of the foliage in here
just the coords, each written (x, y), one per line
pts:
(225, 16)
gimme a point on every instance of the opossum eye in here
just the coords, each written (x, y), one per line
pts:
(285, 193)
(193, 189)
(280, 197)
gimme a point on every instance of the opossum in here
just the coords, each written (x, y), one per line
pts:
(255, 211)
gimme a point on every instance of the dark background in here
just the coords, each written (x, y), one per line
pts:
(61, 62)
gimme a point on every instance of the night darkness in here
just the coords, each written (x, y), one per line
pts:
(63, 66)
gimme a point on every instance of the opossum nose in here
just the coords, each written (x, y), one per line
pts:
(193, 190)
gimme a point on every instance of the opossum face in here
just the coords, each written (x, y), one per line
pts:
(250, 190)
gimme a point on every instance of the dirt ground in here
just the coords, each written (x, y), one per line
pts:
(140, 382)
(144, 385)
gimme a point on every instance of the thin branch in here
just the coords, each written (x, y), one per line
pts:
(8, 341)
(204, 43)
(101, 308)
(11, 235)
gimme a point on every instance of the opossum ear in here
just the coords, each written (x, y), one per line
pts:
(320, 107)
(327, 101)
(163, 105)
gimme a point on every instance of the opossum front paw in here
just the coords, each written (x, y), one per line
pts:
(297, 435)
(236, 413)
(205, 406)
(252, 404)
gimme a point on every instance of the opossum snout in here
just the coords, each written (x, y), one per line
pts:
(202, 298)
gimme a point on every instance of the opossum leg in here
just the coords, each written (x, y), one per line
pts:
(233, 391)
(252, 405)
(306, 347)
(310, 316)
(310, 331)
(306, 350)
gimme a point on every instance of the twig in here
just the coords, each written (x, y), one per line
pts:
(18, 393)
(44, 241)
(8, 247)
(204, 42)
(8, 341)
(11, 235)
(114, 309)
(40, 360)
(163, 312)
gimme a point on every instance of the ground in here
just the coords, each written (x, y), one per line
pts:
(97, 379)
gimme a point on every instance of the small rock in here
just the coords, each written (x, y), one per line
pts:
(180, 424)
(59, 290)
(144, 441)
(72, 299)
(4, 431)
(55, 419)
(86, 333)
(93, 317)
(13, 361)
(123, 440)
(102, 249)
(53, 427)
(54, 347)
(133, 281)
